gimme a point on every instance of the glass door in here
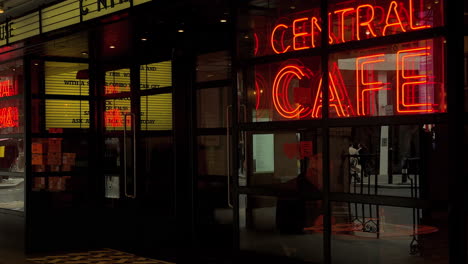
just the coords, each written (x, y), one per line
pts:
(137, 165)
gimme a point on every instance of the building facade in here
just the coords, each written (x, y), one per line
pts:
(198, 130)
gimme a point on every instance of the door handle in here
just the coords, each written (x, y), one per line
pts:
(228, 156)
(132, 117)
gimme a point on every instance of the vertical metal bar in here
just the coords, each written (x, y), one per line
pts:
(454, 13)
(327, 255)
(236, 7)
(228, 156)
(27, 130)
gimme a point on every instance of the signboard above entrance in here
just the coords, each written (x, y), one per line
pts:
(60, 15)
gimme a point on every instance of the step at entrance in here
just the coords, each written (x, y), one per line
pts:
(104, 256)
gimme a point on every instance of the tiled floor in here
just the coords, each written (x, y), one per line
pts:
(104, 256)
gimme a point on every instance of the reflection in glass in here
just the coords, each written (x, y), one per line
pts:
(212, 107)
(213, 66)
(276, 226)
(284, 91)
(287, 161)
(366, 233)
(406, 160)
(407, 78)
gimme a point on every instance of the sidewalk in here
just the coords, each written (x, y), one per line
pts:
(382, 182)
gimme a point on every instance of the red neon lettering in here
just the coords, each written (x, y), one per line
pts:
(7, 89)
(272, 40)
(367, 23)
(111, 89)
(342, 21)
(9, 117)
(300, 35)
(314, 24)
(361, 81)
(393, 7)
(410, 99)
(255, 44)
(338, 95)
(115, 118)
(411, 17)
(280, 94)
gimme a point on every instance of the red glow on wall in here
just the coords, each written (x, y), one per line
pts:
(9, 117)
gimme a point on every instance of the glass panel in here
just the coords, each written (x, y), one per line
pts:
(116, 114)
(280, 227)
(406, 160)
(358, 20)
(117, 81)
(281, 26)
(215, 217)
(156, 112)
(366, 233)
(213, 66)
(156, 75)
(466, 68)
(212, 107)
(12, 184)
(284, 161)
(66, 78)
(11, 101)
(156, 156)
(284, 91)
(407, 78)
(66, 114)
(212, 155)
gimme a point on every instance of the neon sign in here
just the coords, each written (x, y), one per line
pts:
(352, 23)
(9, 117)
(404, 80)
(7, 89)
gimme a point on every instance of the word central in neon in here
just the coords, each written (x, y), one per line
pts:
(351, 24)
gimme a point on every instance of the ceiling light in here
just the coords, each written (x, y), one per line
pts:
(112, 47)
(143, 39)
(223, 20)
(84, 53)
(180, 30)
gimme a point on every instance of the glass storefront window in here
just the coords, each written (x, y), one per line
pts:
(358, 20)
(156, 75)
(277, 226)
(405, 78)
(279, 26)
(286, 161)
(117, 81)
(213, 66)
(284, 91)
(66, 78)
(12, 158)
(387, 234)
(405, 160)
(156, 112)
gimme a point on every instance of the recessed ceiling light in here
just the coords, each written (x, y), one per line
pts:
(143, 39)
(36, 63)
(223, 20)
(112, 47)
(180, 30)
